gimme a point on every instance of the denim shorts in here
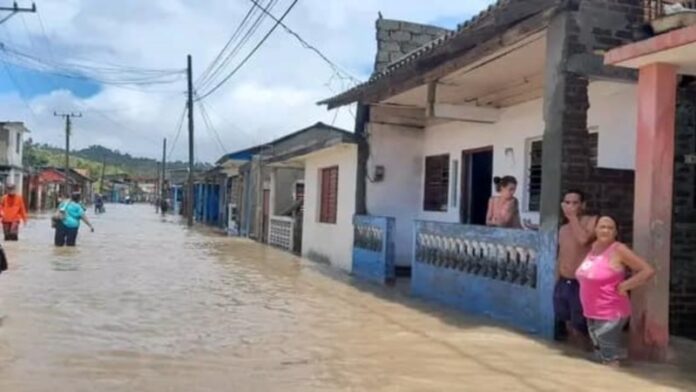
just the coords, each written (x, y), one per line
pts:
(607, 337)
(567, 305)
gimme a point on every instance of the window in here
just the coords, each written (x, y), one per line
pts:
(534, 170)
(534, 176)
(19, 142)
(436, 187)
(594, 148)
(329, 195)
(299, 191)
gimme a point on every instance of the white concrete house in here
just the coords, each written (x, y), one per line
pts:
(327, 157)
(511, 92)
(11, 153)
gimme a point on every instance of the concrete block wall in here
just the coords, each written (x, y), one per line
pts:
(610, 23)
(596, 25)
(397, 38)
(683, 269)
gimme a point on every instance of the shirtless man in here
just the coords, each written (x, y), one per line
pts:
(574, 241)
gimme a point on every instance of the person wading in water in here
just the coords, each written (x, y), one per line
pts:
(13, 212)
(72, 213)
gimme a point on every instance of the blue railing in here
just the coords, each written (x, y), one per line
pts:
(373, 248)
(479, 269)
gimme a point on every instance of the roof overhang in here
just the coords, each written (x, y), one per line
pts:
(512, 23)
(296, 157)
(677, 47)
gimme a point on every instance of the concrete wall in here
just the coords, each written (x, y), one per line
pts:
(400, 151)
(13, 135)
(330, 243)
(683, 268)
(617, 135)
(283, 182)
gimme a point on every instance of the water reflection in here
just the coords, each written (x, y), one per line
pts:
(144, 304)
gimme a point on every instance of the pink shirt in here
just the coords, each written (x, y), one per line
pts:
(599, 283)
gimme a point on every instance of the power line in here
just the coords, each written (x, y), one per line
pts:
(244, 40)
(246, 59)
(104, 74)
(20, 91)
(48, 41)
(211, 128)
(179, 127)
(234, 36)
(305, 44)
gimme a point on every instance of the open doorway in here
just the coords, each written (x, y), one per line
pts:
(477, 177)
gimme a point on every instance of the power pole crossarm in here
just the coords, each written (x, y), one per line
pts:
(14, 10)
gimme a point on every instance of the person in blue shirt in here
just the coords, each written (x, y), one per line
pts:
(72, 213)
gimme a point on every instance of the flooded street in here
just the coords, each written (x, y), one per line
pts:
(145, 305)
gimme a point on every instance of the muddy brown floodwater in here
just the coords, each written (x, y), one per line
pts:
(146, 305)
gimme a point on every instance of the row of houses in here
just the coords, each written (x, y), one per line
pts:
(44, 186)
(40, 186)
(591, 94)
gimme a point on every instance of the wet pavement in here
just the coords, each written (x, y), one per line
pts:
(145, 305)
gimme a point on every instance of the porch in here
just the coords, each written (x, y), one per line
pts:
(521, 101)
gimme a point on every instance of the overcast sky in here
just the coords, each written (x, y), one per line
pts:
(274, 94)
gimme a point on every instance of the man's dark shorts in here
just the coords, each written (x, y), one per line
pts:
(567, 305)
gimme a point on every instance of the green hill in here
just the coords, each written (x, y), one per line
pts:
(91, 158)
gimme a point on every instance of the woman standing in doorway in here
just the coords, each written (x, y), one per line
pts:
(504, 209)
(604, 289)
(72, 213)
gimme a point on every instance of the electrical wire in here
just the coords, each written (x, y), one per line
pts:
(238, 47)
(211, 128)
(307, 45)
(248, 57)
(110, 75)
(20, 90)
(43, 32)
(179, 127)
(229, 42)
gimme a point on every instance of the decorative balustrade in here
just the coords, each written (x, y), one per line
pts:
(368, 237)
(373, 248)
(657, 8)
(499, 254)
(281, 232)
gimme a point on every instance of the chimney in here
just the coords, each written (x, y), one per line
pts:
(396, 38)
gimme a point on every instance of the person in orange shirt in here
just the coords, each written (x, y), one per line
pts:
(13, 212)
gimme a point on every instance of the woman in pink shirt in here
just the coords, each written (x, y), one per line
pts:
(604, 289)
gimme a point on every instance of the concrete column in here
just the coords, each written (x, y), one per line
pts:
(554, 117)
(652, 232)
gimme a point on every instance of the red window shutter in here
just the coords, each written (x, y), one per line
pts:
(329, 195)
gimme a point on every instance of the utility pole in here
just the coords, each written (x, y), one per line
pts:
(163, 193)
(189, 199)
(68, 122)
(101, 181)
(15, 9)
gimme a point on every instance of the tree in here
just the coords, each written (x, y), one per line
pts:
(32, 156)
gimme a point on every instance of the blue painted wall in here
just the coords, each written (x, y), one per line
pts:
(490, 284)
(373, 248)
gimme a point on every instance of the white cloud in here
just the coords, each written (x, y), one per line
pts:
(274, 94)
